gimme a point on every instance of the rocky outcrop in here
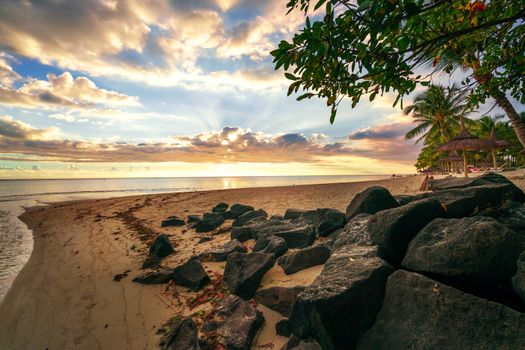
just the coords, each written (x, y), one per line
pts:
(235, 324)
(420, 313)
(271, 245)
(342, 303)
(518, 281)
(155, 277)
(222, 253)
(393, 229)
(468, 249)
(370, 201)
(248, 217)
(182, 334)
(304, 258)
(239, 209)
(243, 272)
(209, 222)
(280, 299)
(172, 221)
(191, 275)
(332, 220)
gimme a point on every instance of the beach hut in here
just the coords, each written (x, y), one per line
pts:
(465, 141)
(451, 162)
(497, 144)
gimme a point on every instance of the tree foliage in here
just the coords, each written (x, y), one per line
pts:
(369, 48)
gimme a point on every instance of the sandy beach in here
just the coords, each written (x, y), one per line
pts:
(65, 296)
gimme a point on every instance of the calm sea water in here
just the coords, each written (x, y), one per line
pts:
(16, 241)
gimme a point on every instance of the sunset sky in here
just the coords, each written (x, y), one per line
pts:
(118, 88)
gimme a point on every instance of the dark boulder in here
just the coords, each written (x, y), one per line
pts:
(483, 180)
(420, 313)
(235, 325)
(239, 209)
(151, 261)
(280, 299)
(155, 277)
(296, 235)
(243, 233)
(205, 239)
(295, 343)
(193, 218)
(518, 281)
(243, 272)
(182, 334)
(304, 258)
(314, 217)
(393, 229)
(220, 208)
(342, 303)
(370, 201)
(248, 217)
(227, 215)
(271, 245)
(209, 222)
(354, 232)
(222, 253)
(403, 199)
(191, 275)
(172, 221)
(513, 217)
(333, 220)
(161, 247)
(282, 328)
(277, 217)
(468, 249)
(293, 213)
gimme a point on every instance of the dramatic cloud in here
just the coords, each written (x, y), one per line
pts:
(229, 145)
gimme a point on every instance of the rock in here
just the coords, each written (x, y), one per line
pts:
(282, 328)
(403, 199)
(304, 258)
(485, 179)
(209, 222)
(191, 275)
(518, 281)
(239, 209)
(314, 217)
(513, 217)
(161, 247)
(220, 208)
(243, 272)
(295, 343)
(227, 215)
(155, 277)
(182, 334)
(151, 262)
(370, 201)
(293, 213)
(333, 220)
(354, 232)
(172, 221)
(193, 218)
(271, 245)
(420, 313)
(245, 218)
(236, 323)
(280, 299)
(277, 217)
(243, 233)
(342, 303)
(222, 253)
(393, 229)
(204, 239)
(297, 234)
(469, 249)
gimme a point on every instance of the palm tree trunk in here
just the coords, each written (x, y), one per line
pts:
(515, 120)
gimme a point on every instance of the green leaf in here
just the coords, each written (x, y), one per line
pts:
(290, 76)
(332, 115)
(307, 95)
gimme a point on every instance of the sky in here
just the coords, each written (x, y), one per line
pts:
(146, 88)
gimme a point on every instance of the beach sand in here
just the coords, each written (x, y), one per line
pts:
(65, 296)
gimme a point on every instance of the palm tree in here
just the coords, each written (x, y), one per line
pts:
(437, 112)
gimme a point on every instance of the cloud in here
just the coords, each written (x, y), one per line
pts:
(58, 91)
(228, 145)
(381, 132)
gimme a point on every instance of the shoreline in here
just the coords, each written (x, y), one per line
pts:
(65, 295)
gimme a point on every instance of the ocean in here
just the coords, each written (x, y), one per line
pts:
(16, 242)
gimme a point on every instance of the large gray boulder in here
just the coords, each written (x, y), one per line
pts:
(280, 299)
(222, 253)
(485, 179)
(271, 244)
(293, 213)
(518, 281)
(393, 229)
(420, 313)
(304, 258)
(370, 201)
(243, 272)
(239, 209)
(476, 249)
(209, 222)
(354, 232)
(248, 217)
(332, 220)
(342, 303)
(191, 275)
(235, 324)
(182, 334)
(161, 247)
